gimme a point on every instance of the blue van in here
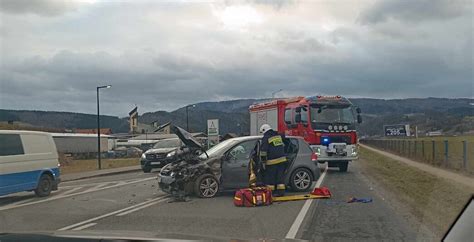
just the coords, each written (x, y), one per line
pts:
(28, 162)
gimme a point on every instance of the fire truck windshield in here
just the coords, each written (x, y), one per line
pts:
(332, 114)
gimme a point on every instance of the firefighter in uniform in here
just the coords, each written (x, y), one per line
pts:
(272, 155)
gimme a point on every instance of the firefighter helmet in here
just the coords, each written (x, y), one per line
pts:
(264, 128)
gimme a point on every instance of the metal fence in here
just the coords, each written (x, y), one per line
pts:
(456, 155)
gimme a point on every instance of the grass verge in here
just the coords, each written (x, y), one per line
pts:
(91, 165)
(434, 201)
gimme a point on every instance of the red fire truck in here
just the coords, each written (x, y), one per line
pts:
(327, 123)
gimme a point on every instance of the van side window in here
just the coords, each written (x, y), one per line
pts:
(288, 117)
(10, 144)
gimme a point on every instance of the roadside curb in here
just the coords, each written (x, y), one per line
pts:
(65, 179)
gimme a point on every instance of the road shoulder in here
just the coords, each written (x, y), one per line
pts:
(465, 180)
(430, 200)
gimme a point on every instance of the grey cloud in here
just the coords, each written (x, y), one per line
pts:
(39, 7)
(165, 63)
(415, 10)
(275, 3)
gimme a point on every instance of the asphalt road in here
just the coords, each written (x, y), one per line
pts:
(131, 205)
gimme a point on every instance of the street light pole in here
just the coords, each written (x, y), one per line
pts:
(98, 127)
(187, 116)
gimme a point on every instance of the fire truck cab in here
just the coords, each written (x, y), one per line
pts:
(327, 123)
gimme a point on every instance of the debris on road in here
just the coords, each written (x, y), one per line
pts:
(359, 200)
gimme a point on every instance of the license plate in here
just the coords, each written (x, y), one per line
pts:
(167, 179)
(156, 162)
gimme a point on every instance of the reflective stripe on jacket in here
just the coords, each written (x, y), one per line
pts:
(272, 150)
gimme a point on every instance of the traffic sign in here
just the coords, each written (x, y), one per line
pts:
(213, 127)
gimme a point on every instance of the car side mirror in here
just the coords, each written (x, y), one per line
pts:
(359, 118)
(298, 118)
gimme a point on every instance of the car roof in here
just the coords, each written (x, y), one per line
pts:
(245, 138)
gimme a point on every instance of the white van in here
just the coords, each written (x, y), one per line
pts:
(28, 162)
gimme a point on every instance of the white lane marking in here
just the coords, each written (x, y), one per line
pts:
(302, 214)
(140, 208)
(111, 213)
(85, 226)
(22, 201)
(101, 185)
(61, 185)
(59, 196)
(70, 191)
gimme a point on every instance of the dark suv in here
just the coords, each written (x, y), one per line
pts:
(162, 153)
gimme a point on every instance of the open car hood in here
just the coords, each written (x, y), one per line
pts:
(186, 138)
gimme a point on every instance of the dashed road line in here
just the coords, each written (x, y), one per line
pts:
(304, 210)
(140, 208)
(113, 213)
(85, 226)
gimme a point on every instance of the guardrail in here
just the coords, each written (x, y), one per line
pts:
(456, 155)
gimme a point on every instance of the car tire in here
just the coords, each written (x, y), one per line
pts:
(343, 166)
(45, 186)
(146, 169)
(206, 186)
(301, 180)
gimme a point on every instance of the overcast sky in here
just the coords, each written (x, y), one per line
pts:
(163, 55)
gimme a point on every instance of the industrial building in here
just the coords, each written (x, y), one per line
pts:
(75, 144)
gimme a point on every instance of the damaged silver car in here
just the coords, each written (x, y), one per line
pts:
(225, 166)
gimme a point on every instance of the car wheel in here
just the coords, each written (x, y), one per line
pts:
(301, 180)
(45, 185)
(206, 186)
(146, 169)
(343, 166)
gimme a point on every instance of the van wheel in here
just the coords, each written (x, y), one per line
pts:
(206, 186)
(301, 180)
(45, 185)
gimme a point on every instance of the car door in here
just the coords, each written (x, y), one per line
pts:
(235, 165)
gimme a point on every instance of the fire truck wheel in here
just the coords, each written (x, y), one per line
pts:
(343, 166)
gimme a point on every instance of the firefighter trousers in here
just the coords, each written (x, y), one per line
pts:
(273, 178)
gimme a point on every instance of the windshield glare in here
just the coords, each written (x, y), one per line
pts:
(332, 115)
(172, 143)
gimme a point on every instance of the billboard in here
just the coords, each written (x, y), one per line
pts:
(397, 130)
